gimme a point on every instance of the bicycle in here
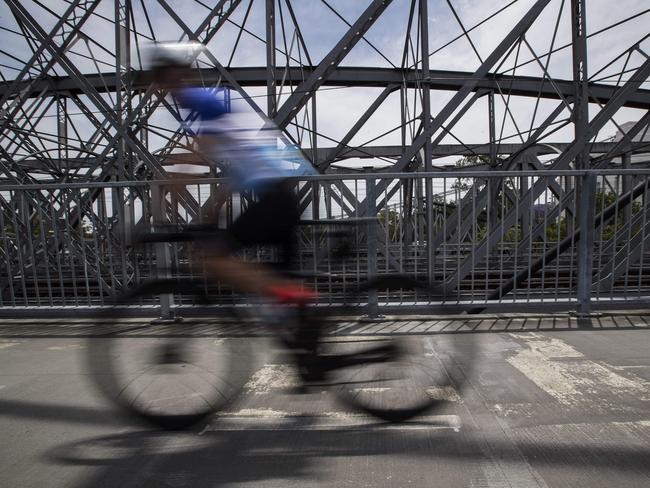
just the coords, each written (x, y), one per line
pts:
(175, 381)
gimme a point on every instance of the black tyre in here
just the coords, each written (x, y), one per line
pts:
(172, 375)
(400, 375)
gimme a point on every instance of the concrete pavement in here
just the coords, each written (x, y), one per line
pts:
(546, 405)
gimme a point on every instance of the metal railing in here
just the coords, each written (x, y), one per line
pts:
(493, 240)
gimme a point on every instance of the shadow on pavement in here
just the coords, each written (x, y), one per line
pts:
(237, 456)
(230, 453)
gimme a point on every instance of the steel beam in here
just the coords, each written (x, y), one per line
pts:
(562, 162)
(362, 77)
(332, 155)
(305, 90)
(271, 95)
(597, 150)
(634, 236)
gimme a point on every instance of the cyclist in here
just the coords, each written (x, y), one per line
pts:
(253, 162)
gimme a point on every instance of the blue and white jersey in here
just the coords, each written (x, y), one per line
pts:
(253, 155)
(208, 103)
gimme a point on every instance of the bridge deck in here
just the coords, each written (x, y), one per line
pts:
(548, 405)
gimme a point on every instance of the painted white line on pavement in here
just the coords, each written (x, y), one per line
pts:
(572, 379)
(266, 418)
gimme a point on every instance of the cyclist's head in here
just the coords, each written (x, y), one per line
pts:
(170, 61)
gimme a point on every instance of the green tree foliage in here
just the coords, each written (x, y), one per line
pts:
(391, 221)
(84, 229)
(464, 184)
(557, 230)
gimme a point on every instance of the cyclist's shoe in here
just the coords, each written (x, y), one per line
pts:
(292, 294)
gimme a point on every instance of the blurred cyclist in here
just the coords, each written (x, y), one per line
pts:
(253, 162)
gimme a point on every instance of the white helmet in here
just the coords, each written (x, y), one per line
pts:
(174, 54)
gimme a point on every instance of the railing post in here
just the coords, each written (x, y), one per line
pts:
(586, 216)
(626, 185)
(315, 215)
(163, 257)
(371, 198)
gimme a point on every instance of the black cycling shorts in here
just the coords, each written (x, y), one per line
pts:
(270, 220)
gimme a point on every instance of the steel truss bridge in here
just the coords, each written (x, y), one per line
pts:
(503, 149)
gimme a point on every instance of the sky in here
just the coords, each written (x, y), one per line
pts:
(339, 108)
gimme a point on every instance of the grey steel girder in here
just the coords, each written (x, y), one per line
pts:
(363, 77)
(138, 115)
(405, 161)
(635, 235)
(88, 90)
(121, 136)
(580, 121)
(24, 89)
(615, 149)
(562, 162)
(328, 64)
(568, 196)
(566, 244)
(462, 211)
(332, 155)
(471, 84)
(442, 150)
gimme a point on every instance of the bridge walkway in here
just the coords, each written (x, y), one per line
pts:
(548, 405)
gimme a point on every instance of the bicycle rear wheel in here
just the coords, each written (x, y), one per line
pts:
(393, 375)
(171, 375)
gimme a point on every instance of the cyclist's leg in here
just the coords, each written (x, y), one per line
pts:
(270, 220)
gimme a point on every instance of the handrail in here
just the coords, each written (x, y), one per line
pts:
(339, 177)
